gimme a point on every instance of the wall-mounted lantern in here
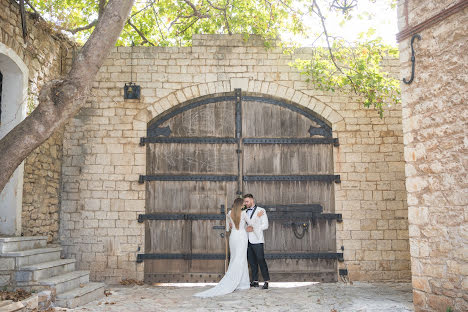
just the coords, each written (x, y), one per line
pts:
(131, 90)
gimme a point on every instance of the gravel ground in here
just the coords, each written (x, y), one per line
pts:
(339, 297)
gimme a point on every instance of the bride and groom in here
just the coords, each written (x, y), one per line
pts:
(246, 246)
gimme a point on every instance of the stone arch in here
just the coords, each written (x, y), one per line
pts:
(14, 105)
(271, 89)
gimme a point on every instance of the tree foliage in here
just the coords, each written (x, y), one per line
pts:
(173, 22)
(336, 64)
(358, 70)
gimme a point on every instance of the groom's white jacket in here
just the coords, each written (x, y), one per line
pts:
(260, 224)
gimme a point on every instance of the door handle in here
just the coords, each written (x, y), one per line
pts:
(219, 227)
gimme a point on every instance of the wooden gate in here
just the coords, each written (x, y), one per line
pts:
(204, 154)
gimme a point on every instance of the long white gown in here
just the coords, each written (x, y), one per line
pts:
(237, 275)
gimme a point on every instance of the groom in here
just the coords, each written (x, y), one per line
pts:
(255, 252)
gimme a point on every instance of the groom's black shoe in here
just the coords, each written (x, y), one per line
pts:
(254, 284)
(265, 285)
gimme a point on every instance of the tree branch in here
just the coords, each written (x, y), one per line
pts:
(102, 5)
(143, 9)
(195, 11)
(157, 22)
(32, 8)
(140, 33)
(61, 99)
(188, 26)
(78, 29)
(224, 10)
(327, 38)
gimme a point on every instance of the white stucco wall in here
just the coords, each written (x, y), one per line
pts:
(14, 100)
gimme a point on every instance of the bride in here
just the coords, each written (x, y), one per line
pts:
(237, 275)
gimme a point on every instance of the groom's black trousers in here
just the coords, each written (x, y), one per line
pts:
(256, 258)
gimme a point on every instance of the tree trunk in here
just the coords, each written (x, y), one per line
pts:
(61, 99)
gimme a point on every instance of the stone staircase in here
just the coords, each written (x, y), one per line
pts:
(36, 266)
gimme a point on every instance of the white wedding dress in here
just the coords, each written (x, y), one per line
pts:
(237, 275)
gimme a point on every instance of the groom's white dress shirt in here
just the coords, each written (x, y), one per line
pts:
(260, 225)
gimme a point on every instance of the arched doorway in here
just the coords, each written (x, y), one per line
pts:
(203, 154)
(13, 110)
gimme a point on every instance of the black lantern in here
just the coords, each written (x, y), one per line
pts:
(131, 91)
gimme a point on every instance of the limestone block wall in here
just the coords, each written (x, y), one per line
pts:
(41, 190)
(42, 52)
(435, 131)
(102, 159)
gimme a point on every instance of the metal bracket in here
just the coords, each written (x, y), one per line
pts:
(413, 59)
(318, 131)
(179, 216)
(316, 177)
(271, 256)
(188, 140)
(144, 178)
(238, 97)
(333, 141)
(164, 131)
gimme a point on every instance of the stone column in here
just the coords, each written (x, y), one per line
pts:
(435, 136)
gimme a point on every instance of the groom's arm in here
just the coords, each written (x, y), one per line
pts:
(264, 222)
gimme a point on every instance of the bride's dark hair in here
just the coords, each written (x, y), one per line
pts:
(236, 211)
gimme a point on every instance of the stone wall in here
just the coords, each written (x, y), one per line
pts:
(102, 158)
(41, 190)
(42, 52)
(435, 130)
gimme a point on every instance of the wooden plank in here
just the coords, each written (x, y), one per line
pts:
(301, 265)
(292, 159)
(293, 192)
(205, 239)
(193, 158)
(190, 196)
(210, 120)
(264, 120)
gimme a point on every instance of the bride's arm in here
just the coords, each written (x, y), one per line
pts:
(228, 222)
(254, 223)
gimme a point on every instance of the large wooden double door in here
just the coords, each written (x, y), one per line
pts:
(204, 154)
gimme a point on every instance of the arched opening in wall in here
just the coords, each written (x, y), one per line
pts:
(204, 153)
(13, 95)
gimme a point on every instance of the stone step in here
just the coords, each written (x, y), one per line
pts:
(65, 282)
(34, 256)
(10, 306)
(22, 243)
(80, 296)
(45, 270)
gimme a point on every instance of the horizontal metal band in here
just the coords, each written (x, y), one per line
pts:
(313, 255)
(271, 256)
(331, 216)
(333, 141)
(144, 178)
(180, 216)
(293, 208)
(327, 276)
(143, 141)
(304, 216)
(316, 177)
(161, 256)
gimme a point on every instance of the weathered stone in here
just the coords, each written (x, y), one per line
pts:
(434, 126)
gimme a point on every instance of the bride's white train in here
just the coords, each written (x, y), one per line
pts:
(237, 275)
